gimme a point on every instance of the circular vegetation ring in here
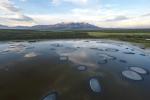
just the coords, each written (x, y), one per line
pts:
(130, 53)
(139, 70)
(82, 68)
(95, 85)
(132, 75)
(63, 58)
(106, 56)
(111, 50)
(51, 96)
(102, 61)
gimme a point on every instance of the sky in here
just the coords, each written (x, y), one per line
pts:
(103, 13)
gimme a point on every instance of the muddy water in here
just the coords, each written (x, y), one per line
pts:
(29, 70)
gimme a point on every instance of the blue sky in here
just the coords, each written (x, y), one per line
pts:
(103, 13)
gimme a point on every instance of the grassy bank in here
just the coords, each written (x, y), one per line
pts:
(136, 36)
(130, 37)
(31, 34)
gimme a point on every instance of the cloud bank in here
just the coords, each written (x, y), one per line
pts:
(79, 2)
(11, 14)
(89, 11)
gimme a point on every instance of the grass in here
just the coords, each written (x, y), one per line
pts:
(135, 36)
(130, 37)
(31, 34)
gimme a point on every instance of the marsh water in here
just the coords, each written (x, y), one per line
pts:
(29, 70)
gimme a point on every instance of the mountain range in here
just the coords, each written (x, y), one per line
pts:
(59, 26)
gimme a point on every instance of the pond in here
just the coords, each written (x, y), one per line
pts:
(73, 70)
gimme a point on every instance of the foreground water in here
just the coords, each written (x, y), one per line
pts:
(73, 70)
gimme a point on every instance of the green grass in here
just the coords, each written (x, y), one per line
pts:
(130, 37)
(135, 36)
(31, 34)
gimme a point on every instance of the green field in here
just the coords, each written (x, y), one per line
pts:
(130, 37)
(135, 36)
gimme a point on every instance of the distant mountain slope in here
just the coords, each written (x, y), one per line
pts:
(66, 26)
(59, 26)
(4, 27)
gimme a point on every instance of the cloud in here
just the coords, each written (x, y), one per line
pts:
(7, 7)
(23, 0)
(100, 17)
(93, 13)
(146, 15)
(118, 18)
(75, 15)
(9, 12)
(22, 17)
(79, 2)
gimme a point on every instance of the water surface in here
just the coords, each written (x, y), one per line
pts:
(29, 70)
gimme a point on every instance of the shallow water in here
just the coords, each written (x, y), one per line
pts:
(30, 70)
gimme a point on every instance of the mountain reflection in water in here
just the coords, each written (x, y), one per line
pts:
(74, 69)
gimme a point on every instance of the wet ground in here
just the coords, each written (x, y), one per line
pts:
(73, 70)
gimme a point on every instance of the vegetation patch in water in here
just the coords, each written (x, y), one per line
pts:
(132, 75)
(139, 70)
(95, 85)
(30, 55)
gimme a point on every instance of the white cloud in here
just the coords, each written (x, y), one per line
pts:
(7, 7)
(146, 15)
(79, 2)
(97, 15)
(117, 18)
(100, 17)
(10, 13)
(23, 0)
